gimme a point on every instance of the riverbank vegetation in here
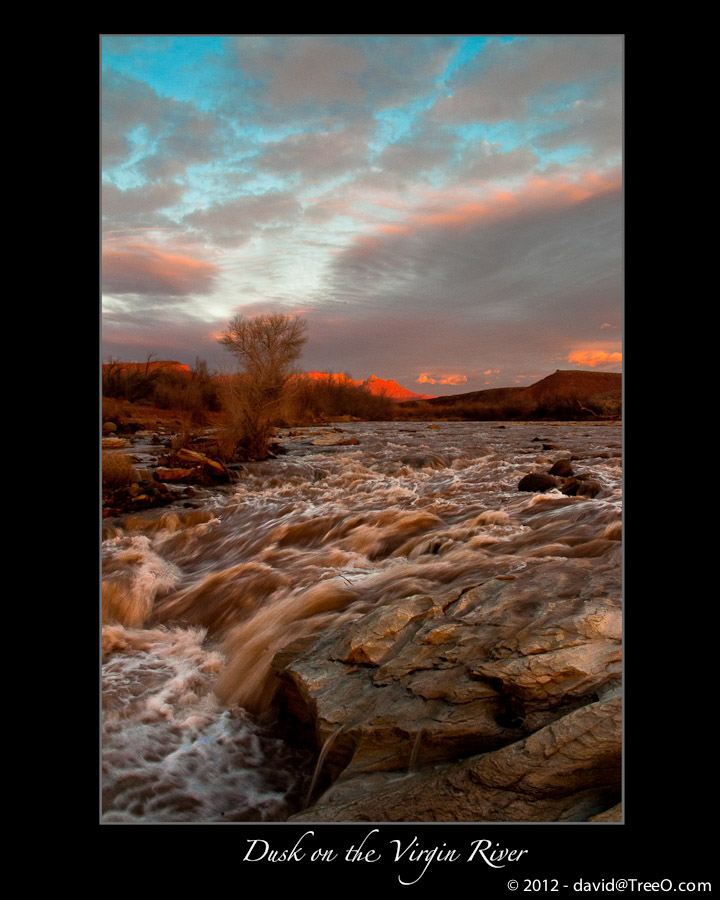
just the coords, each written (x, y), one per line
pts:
(202, 398)
(267, 393)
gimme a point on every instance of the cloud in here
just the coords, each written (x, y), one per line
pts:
(425, 378)
(234, 222)
(323, 153)
(138, 269)
(422, 150)
(138, 207)
(159, 136)
(594, 358)
(330, 75)
(501, 82)
(439, 198)
(531, 254)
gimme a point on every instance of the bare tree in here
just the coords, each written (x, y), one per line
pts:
(266, 347)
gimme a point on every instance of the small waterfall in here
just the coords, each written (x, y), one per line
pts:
(414, 752)
(329, 741)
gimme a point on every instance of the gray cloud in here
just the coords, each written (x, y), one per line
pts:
(540, 279)
(595, 121)
(485, 161)
(233, 223)
(319, 154)
(501, 82)
(324, 76)
(158, 136)
(139, 207)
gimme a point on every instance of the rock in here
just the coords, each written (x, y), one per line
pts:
(113, 443)
(614, 814)
(424, 461)
(589, 489)
(423, 683)
(135, 497)
(109, 428)
(335, 437)
(537, 481)
(568, 771)
(562, 468)
(163, 473)
(213, 467)
(130, 425)
(581, 486)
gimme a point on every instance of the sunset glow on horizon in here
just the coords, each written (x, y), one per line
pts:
(442, 210)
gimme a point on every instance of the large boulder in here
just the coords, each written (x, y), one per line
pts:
(423, 683)
(568, 771)
(537, 482)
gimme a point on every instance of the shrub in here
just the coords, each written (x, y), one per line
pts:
(266, 347)
(117, 471)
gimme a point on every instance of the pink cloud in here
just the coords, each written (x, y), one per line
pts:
(143, 269)
(449, 212)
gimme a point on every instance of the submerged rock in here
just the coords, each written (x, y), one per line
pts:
(424, 461)
(562, 467)
(537, 481)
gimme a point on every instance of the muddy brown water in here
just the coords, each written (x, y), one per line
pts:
(197, 601)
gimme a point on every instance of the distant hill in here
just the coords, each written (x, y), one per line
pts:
(565, 392)
(574, 383)
(491, 395)
(562, 383)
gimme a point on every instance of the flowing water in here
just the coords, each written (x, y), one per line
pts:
(196, 602)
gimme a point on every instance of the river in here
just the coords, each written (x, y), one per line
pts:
(200, 599)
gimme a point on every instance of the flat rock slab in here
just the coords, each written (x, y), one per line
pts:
(423, 683)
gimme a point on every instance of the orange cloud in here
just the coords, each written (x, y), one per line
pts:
(559, 191)
(594, 357)
(426, 378)
(143, 269)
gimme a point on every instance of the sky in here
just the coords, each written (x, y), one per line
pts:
(441, 210)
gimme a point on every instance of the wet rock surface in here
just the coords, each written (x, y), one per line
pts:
(577, 781)
(502, 704)
(164, 475)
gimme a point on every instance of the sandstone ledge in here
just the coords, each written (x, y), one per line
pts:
(502, 704)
